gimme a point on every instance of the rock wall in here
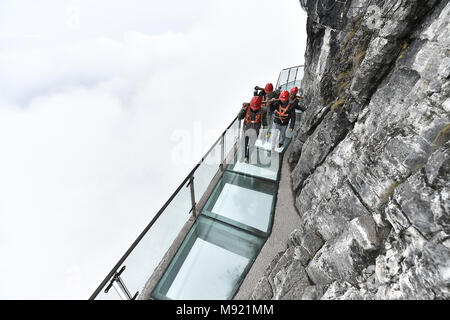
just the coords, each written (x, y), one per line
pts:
(371, 156)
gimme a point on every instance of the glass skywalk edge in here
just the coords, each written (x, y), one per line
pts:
(130, 275)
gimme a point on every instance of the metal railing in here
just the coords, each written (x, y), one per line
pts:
(181, 201)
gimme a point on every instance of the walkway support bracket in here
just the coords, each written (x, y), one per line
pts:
(120, 287)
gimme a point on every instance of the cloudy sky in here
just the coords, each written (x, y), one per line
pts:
(92, 94)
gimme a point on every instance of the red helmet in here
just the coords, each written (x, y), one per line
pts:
(255, 104)
(268, 88)
(284, 96)
(294, 90)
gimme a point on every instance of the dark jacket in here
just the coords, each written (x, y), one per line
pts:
(283, 112)
(299, 105)
(267, 96)
(248, 115)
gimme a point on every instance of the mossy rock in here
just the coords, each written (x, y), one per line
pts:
(358, 58)
(337, 104)
(403, 48)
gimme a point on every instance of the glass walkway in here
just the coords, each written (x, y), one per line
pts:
(232, 220)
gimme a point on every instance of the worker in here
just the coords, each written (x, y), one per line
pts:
(294, 99)
(266, 93)
(254, 116)
(298, 102)
(283, 112)
(268, 97)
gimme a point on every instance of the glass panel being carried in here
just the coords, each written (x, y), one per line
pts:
(292, 74)
(210, 264)
(243, 201)
(292, 84)
(300, 74)
(291, 77)
(283, 77)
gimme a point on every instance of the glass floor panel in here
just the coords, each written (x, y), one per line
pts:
(210, 264)
(244, 201)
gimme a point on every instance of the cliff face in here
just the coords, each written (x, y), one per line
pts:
(371, 156)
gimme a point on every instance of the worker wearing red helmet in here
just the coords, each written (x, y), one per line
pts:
(267, 90)
(268, 95)
(283, 114)
(294, 99)
(254, 116)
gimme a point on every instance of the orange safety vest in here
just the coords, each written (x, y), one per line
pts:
(281, 113)
(247, 117)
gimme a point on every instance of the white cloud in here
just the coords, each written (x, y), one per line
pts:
(87, 116)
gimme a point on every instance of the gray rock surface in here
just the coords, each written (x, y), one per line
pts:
(371, 156)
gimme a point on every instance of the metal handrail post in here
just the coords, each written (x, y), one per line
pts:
(194, 205)
(238, 144)
(118, 284)
(222, 152)
(121, 289)
(239, 130)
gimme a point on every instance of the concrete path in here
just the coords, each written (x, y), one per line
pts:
(285, 221)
